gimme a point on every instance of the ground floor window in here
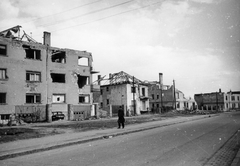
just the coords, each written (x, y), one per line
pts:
(84, 98)
(33, 98)
(5, 117)
(2, 98)
(59, 98)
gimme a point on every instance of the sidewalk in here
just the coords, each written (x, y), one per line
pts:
(22, 147)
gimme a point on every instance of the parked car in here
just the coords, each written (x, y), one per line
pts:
(57, 115)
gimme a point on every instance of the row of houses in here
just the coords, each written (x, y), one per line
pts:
(37, 79)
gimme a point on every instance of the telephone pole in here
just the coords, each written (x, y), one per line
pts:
(174, 95)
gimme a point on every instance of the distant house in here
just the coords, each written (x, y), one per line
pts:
(167, 97)
(124, 90)
(37, 78)
(232, 100)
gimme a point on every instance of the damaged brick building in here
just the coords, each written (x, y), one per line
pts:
(37, 78)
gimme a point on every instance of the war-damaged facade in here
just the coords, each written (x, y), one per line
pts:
(39, 79)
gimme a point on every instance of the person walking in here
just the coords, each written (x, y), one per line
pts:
(121, 118)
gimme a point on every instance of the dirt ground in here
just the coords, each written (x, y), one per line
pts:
(36, 130)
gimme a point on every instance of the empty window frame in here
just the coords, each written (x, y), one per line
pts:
(3, 74)
(58, 78)
(3, 98)
(83, 61)
(33, 76)
(32, 53)
(59, 98)
(59, 56)
(5, 116)
(143, 91)
(33, 98)
(3, 49)
(84, 98)
(82, 81)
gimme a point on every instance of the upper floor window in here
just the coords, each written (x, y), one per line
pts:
(238, 98)
(143, 91)
(152, 96)
(157, 96)
(232, 98)
(58, 56)
(32, 53)
(3, 74)
(3, 98)
(83, 61)
(56, 77)
(33, 76)
(59, 98)
(226, 98)
(3, 49)
(32, 98)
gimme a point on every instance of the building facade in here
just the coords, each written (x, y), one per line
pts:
(126, 91)
(39, 79)
(232, 100)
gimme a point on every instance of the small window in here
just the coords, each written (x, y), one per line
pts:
(32, 53)
(157, 96)
(238, 98)
(101, 91)
(3, 49)
(3, 74)
(83, 61)
(107, 89)
(107, 101)
(143, 91)
(59, 98)
(84, 99)
(33, 98)
(59, 78)
(226, 98)
(33, 76)
(152, 96)
(233, 98)
(3, 98)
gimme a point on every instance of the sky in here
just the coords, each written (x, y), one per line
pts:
(193, 42)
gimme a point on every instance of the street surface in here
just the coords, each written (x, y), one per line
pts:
(185, 144)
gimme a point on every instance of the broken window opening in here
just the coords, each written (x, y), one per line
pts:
(3, 49)
(59, 56)
(59, 98)
(3, 98)
(82, 81)
(59, 78)
(84, 99)
(83, 61)
(32, 53)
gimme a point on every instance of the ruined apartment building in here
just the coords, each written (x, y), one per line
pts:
(37, 77)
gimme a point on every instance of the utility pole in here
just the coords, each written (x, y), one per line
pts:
(217, 101)
(133, 91)
(174, 95)
(160, 83)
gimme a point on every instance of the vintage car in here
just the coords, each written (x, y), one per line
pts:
(57, 115)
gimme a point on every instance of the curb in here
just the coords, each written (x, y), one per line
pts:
(60, 145)
(236, 161)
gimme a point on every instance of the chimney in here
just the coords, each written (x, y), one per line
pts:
(99, 79)
(47, 38)
(161, 79)
(220, 90)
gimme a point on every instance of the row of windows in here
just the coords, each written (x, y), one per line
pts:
(56, 55)
(35, 98)
(233, 98)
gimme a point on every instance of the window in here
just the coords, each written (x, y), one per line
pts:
(33, 98)
(107, 88)
(5, 116)
(84, 99)
(83, 61)
(33, 76)
(2, 98)
(157, 96)
(152, 96)
(60, 78)
(58, 56)
(3, 49)
(107, 101)
(59, 98)
(226, 98)
(143, 91)
(82, 81)
(233, 98)
(101, 91)
(32, 53)
(238, 98)
(3, 74)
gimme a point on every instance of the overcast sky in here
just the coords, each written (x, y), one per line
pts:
(194, 42)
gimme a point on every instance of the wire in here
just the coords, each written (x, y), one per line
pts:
(92, 12)
(106, 17)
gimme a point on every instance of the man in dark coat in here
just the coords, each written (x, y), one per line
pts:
(121, 118)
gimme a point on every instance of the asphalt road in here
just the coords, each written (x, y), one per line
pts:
(185, 144)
